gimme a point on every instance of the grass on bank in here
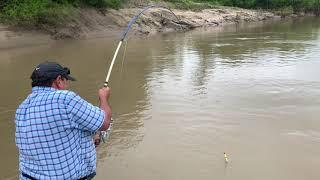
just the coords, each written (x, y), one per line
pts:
(49, 12)
(280, 6)
(193, 4)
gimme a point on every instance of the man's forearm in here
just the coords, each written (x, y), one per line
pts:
(104, 105)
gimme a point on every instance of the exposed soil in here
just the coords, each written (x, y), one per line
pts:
(90, 21)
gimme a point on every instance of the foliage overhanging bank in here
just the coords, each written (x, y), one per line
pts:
(51, 12)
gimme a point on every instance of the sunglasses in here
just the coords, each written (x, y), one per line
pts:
(67, 70)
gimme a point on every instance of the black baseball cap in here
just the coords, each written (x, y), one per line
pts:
(50, 70)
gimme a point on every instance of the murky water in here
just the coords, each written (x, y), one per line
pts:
(181, 100)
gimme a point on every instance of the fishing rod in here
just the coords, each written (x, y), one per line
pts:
(104, 134)
(125, 32)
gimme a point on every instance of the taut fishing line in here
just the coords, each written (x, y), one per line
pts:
(123, 58)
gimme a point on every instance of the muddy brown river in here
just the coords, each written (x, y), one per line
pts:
(180, 100)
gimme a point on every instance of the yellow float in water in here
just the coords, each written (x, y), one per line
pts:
(226, 157)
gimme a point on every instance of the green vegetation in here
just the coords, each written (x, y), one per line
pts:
(50, 12)
(284, 6)
(194, 4)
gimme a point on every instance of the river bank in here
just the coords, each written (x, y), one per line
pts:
(87, 21)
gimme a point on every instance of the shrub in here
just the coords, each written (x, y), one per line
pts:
(46, 11)
(23, 10)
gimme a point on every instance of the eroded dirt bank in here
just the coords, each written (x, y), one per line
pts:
(90, 21)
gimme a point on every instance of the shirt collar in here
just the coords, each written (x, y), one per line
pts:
(40, 89)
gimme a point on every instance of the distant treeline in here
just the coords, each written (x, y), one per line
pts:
(296, 6)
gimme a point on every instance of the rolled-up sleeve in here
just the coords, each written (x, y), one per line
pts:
(83, 114)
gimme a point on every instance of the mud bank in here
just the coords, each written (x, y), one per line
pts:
(86, 22)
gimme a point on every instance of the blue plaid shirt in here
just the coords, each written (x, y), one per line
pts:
(54, 130)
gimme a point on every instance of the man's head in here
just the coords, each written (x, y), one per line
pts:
(51, 74)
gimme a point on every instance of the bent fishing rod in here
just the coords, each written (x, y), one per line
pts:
(104, 134)
(125, 32)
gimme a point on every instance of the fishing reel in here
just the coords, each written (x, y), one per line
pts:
(103, 135)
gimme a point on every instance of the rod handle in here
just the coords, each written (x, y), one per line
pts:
(105, 84)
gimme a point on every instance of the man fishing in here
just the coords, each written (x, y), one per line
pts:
(54, 127)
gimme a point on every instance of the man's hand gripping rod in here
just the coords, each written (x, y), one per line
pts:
(105, 134)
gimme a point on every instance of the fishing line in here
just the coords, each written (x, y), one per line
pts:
(105, 134)
(122, 63)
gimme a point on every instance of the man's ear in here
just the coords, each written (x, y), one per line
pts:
(57, 83)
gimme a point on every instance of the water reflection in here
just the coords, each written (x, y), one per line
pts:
(195, 55)
(239, 45)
